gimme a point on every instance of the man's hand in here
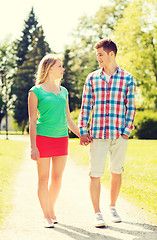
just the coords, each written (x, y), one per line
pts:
(124, 136)
(85, 139)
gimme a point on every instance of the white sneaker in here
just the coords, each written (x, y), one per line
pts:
(114, 215)
(54, 220)
(47, 224)
(99, 222)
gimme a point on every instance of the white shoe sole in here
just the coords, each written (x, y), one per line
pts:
(116, 220)
(100, 225)
(48, 225)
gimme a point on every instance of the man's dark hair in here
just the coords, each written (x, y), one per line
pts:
(107, 44)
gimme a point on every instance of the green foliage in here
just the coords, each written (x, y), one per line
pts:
(2, 106)
(7, 64)
(145, 125)
(69, 81)
(30, 49)
(11, 157)
(88, 32)
(74, 115)
(132, 24)
(147, 129)
(84, 62)
(24, 43)
(107, 16)
(136, 36)
(139, 177)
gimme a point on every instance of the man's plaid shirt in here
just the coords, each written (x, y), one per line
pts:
(113, 104)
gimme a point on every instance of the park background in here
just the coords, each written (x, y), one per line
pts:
(133, 26)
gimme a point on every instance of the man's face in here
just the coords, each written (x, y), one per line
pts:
(103, 57)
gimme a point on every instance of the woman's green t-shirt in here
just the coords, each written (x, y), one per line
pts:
(52, 109)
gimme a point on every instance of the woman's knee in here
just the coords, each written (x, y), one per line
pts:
(56, 178)
(43, 180)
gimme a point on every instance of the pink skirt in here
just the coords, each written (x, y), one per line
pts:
(51, 147)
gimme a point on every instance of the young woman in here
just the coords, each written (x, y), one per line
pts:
(49, 133)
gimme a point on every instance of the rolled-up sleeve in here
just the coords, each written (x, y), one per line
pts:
(87, 104)
(130, 107)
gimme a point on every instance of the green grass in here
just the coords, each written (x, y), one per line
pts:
(12, 133)
(139, 184)
(12, 154)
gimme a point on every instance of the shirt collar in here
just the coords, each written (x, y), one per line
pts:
(102, 72)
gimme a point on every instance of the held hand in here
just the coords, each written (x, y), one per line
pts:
(125, 136)
(85, 139)
(35, 154)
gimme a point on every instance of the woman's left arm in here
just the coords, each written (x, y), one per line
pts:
(72, 126)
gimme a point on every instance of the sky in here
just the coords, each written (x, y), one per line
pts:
(57, 17)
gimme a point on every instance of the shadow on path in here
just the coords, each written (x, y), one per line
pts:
(81, 234)
(143, 225)
(147, 232)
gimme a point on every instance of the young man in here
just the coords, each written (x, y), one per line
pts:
(110, 92)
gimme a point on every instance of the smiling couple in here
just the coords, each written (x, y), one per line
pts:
(110, 93)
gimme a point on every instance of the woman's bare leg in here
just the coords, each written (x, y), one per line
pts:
(43, 166)
(58, 165)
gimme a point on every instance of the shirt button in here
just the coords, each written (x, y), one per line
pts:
(107, 114)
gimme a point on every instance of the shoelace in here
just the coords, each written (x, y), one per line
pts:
(115, 214)
(99, 217)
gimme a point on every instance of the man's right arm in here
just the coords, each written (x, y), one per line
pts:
(86, 107)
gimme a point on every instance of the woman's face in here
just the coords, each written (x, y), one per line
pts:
(57, 69)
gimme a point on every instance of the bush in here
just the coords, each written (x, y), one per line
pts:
(74, 116)
(145, 125)
(147, 129)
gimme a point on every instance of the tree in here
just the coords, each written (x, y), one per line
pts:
(30, 49)
(7, 64)
(101, 25)
(88, 32)
(69, 81)
(107, 16)
(136, 36)
(26, 39)
(2, 107)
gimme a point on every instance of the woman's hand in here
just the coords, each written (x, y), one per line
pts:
(35, 154)
(85, 139)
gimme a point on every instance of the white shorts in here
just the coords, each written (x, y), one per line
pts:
(98, 154)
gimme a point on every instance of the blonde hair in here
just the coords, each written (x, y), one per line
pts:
(46, 62)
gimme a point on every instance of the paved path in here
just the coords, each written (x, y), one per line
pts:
(73, 210)
(15, 137)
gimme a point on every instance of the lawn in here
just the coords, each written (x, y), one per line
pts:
(140, 173)
(12, 154)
